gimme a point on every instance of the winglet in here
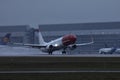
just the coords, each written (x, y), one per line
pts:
(92, 39)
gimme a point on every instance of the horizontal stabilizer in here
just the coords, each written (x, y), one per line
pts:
(31, 45)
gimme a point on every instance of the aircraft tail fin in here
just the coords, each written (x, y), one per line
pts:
(40, 38)
(5, 39)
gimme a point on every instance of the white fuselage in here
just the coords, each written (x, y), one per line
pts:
(57, 43)
(107, 50)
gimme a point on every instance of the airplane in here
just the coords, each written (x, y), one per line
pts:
(64, 42)
(5, 40)
(108, 50)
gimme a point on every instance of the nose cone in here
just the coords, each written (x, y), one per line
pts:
(69, 39)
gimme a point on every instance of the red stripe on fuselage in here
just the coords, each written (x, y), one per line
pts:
(69, 39)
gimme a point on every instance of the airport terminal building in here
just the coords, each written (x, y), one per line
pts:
(20, 33)
(106, 33)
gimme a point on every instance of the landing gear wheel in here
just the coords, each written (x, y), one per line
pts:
(50, 53)
(63, 52)
(50, 49)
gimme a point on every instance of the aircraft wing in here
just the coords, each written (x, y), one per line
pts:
(82, 44)
(31, 45)
(72, 47)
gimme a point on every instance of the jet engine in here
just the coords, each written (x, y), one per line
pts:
(49, 47)
(72, 47)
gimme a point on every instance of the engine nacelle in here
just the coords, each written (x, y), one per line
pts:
(49, 47)
(72, 47)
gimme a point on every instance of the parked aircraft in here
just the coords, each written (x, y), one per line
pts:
(64, 42)
(5, 40)
(108, 50)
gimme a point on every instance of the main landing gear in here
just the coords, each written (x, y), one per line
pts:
(50, 49)
(64, 52)
(50, 52)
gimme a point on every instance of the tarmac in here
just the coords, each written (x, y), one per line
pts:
(27, 63)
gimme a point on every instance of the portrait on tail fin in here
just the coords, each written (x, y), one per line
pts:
(5, 39)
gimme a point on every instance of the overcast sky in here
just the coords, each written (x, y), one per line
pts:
(33, 12)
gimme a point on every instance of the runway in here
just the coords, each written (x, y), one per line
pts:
(28, 63)
(32, 52)
(58, 66)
